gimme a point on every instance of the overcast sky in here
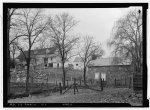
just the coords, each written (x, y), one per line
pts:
(96, 22)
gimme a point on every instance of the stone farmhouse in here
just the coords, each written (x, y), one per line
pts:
(77, 63)
(47, 57)
(108, 70)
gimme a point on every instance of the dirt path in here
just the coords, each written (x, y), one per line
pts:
(84, 96)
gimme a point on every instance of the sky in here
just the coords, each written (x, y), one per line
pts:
(96, 22)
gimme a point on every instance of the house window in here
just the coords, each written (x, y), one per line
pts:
(76, 64)
(45, 60)
(97, 75)
(103, 76)
(50, 64)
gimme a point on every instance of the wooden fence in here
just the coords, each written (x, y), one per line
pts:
(123, 82)
(137, 82)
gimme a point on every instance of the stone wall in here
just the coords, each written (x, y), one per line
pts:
(78, 65)
(112, 72)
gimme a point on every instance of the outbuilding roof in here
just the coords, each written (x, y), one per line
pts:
(108, 62)
(77, 59)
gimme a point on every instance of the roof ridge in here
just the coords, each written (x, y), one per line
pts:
(39, 52)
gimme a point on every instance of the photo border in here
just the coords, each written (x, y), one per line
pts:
(73, 5)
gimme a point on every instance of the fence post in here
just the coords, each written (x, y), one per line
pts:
(62, 82)
(80, 82)
(74, 85)
(41, 84)
(60, 88)
(56, 84)
(67, 83)
(47, 82)
(125, 82)
(130, 83)
(101, 84)
(115, 82)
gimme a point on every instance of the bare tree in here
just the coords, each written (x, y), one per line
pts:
(127, 39)
(12, 27)
(59, 28)
(30, 25)
(13, 50)
(10, 13)
(88, 52)
(44, 42)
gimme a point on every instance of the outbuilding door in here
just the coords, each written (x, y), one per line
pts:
(45, 60)
(97, 75)
(103, 76)
(100, 75)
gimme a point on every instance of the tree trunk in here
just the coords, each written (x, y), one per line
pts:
(8, 74)
(27, 76)
(13, 60)
(8, 54)
(84, 75)
(64, 75)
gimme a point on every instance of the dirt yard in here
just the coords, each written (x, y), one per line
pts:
(109, 95)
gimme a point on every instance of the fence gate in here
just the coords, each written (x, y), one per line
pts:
(77, 85)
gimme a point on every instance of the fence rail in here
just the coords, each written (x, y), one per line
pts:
(123, 82)
(75, 84)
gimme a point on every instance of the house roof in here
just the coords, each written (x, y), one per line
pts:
(38, 52)
(77, 59)
(107, 62)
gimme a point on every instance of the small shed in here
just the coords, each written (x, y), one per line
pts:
(137, 82)
(106, 69)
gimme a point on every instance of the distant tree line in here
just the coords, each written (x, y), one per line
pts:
(127, 39)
